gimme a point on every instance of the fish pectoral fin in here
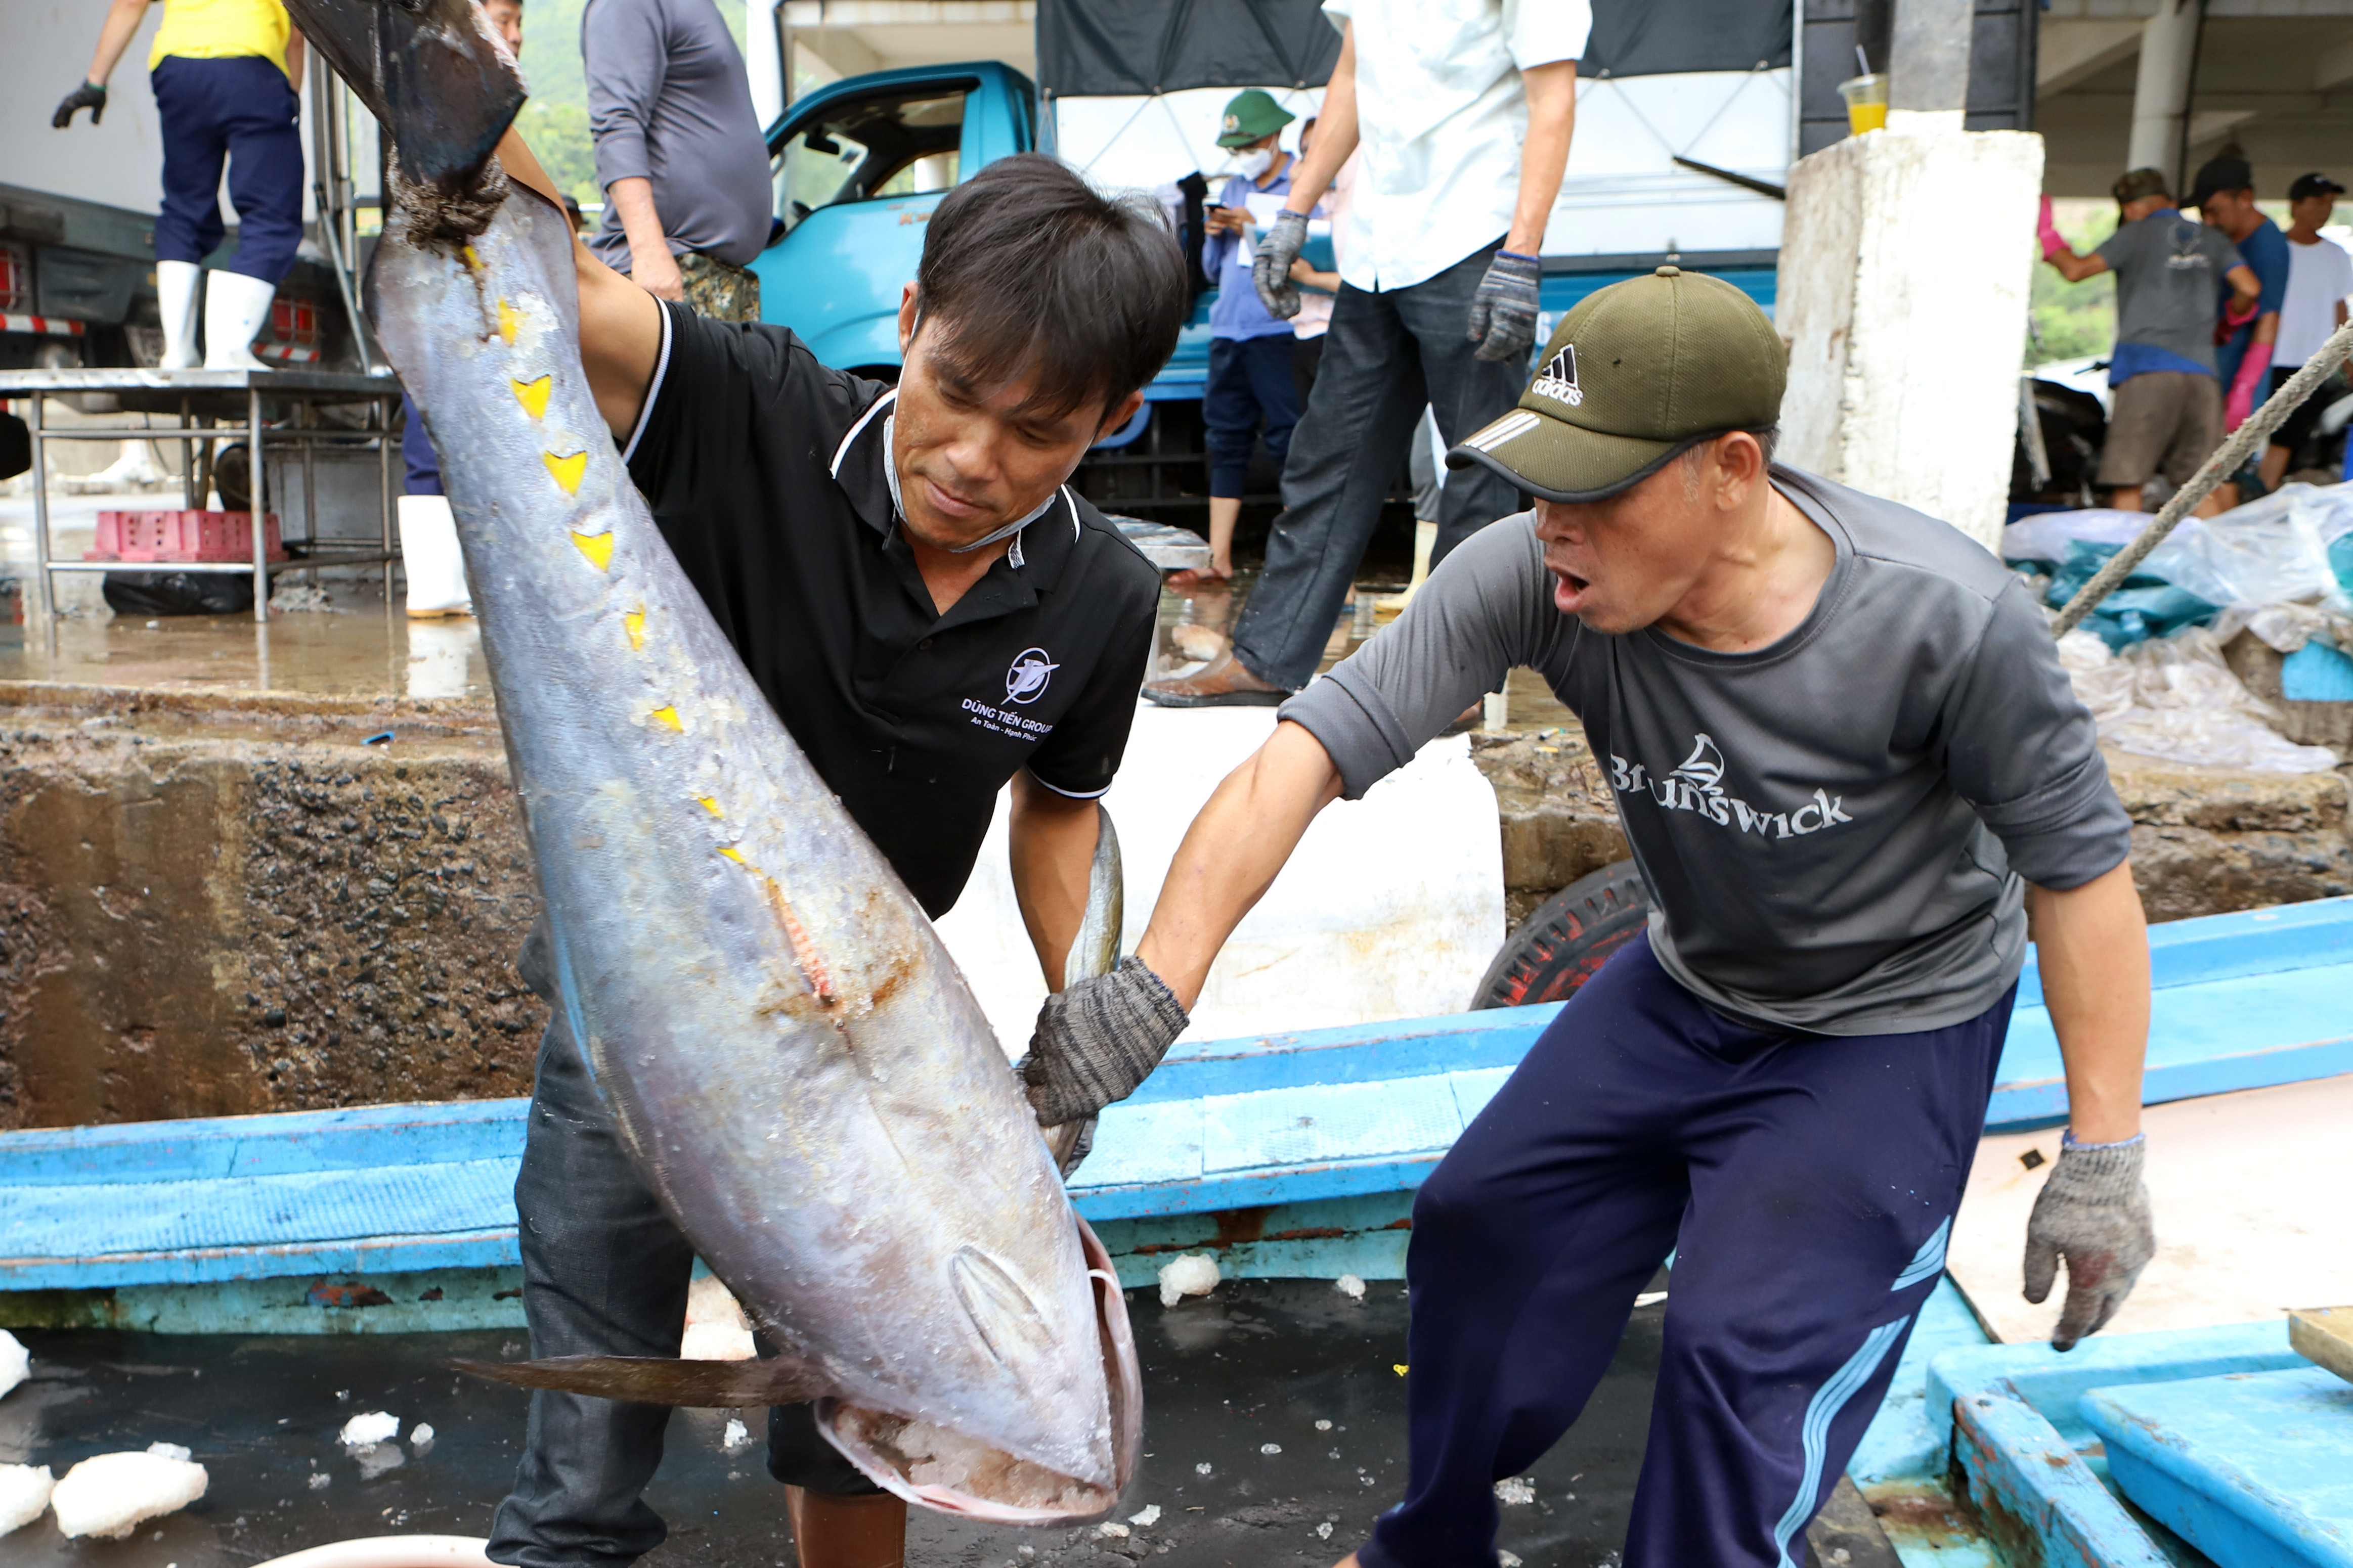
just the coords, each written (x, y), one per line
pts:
(661, 1379)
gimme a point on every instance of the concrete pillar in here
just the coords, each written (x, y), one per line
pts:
(1906, 332)
(764, 60)
(2169, 53)
(1928, 57)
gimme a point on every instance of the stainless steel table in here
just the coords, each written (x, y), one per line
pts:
(208, 404)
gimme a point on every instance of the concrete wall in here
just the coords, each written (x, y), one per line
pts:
(1902, 296)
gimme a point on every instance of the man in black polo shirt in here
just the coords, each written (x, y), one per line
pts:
(932, 611)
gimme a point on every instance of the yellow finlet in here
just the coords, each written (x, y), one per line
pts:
(667, 716)
(709, 804)
(635, 622)
(597, 547)
(532, 395)
(734, 854)
(474, 259)
(510, 319)
(567, 470)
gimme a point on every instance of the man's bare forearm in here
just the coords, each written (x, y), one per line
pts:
(1232, 853)
(1052, 842)
(1543, 156)
(2092, 946)
(1336, 132)
(121, 24)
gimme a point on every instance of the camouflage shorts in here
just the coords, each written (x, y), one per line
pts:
(716, 289)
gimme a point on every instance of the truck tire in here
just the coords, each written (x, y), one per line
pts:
(1556, 949)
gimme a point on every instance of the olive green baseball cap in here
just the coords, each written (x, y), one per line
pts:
(1251, 116)
(1636, 374)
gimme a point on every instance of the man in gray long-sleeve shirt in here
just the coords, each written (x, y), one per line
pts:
(679, 151)
(1854, 777)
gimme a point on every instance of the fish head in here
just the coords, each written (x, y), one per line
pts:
(954, 1473)
(435, 72)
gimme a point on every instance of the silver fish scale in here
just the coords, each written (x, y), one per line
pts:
(805, 1077)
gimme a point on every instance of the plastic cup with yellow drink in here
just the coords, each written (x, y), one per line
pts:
(1866, 102)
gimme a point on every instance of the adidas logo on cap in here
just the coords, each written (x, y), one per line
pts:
(1557, 380)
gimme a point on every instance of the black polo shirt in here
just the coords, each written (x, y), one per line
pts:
(765, 471)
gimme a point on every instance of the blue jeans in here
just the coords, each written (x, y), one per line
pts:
(1251, 387)
(241, 111)
(1388, 354)
(1807, 1185)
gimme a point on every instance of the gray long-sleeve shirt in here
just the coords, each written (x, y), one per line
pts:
(669, 102)
(1833, 828)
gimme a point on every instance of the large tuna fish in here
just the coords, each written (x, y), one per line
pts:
(790, 1053)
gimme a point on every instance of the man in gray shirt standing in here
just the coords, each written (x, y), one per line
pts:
(1856, 778)
(679, 151)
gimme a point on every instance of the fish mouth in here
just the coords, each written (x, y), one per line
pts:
(951, 1473)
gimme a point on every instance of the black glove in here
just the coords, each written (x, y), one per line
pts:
(90, 95)
(1270, 268)
(2093, 1211)
(1097, 1040)
(1504, 310)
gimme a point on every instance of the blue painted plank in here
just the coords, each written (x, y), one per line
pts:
(2253, 1470)
(277, 1145)
(2055, 1382)
(2040, 1502)
(365, 1255)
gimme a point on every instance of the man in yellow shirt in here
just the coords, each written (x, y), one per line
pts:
(223, 73)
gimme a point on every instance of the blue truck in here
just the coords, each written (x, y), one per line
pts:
(860, 165)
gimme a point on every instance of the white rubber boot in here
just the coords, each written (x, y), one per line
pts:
(176, 283)
(429, 554)
(235, 307)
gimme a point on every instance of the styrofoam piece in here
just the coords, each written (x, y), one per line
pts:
(2252, 1469)
(111, 1495)
(1869, 275)
(368, 1427)
(1391, 907)
(16, 1363)
(716, 1329)
(2243, 1187)
(24, 1495)
(1195, 1274)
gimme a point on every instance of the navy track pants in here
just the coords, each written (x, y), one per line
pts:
(1252, 390)
(1806, 1185)
(241, 110)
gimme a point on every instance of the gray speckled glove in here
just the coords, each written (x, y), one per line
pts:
(1097, 1040)
(1504, 310)
(1270, 268)
(2093, 1211)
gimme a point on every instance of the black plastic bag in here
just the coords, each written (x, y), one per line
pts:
(179, 593)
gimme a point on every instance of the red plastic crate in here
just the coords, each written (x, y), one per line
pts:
(181, 536)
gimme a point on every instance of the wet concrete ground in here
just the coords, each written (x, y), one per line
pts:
(1260, 1363)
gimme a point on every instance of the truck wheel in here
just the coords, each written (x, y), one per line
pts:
(1557, 948)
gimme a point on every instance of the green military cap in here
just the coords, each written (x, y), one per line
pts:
(1251, 116)
(1636, 374)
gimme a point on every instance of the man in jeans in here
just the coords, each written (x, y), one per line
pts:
(2169, 407)
(679, 151)
(1471, 104)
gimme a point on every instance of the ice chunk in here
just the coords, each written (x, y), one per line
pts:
(1116, 1531)
(421, 1439)
(1351, 1287)
(16, 1363)
(736, 1436)
(1270, 1447)
(1147, 1519)
(24, 1495)
(112, 1494)
(716, 1329)
(1508, 1558)
(1202, 1468)
(169, 1451)
(1514, 1490)
(369, 1428)
(1323, 1530)
(319, 1479)
(1323, 1425)
(1195, 1274)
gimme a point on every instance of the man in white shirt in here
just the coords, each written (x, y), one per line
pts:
(2320, 276)
(1468, 106)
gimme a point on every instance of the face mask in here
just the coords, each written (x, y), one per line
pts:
(1250, 165)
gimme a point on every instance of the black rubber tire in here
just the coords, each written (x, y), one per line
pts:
(1556, 949)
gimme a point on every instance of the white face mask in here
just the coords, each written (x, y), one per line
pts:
(1250, 165)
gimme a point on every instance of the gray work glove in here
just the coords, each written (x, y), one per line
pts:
(1270, 270)
(1504, 310)
(90, 95)
(1097, 1040)
(2093, 1211)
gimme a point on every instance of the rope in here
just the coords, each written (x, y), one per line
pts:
(2227, 460)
